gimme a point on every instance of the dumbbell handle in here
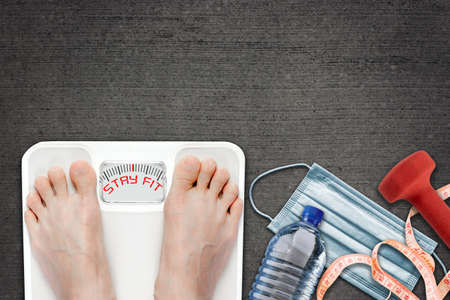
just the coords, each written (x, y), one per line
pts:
(434, 210)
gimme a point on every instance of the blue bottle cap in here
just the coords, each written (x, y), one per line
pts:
(312, 215)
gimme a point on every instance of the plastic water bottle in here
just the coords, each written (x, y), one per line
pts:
(293, 262)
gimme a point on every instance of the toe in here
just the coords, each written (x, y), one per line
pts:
(186, 173)
(230, 193)
(236, 212)
(31, 221)
(44, 188)
(34, 202)
(207, 169)
(218, 181)
(58, 181)
(83, 178)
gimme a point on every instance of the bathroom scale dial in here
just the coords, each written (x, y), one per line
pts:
(132, 182)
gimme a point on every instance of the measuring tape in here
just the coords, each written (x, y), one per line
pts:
(421, 260)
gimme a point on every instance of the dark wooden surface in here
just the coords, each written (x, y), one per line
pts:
(353, 86)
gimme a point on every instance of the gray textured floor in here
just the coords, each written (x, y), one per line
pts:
(354, 87)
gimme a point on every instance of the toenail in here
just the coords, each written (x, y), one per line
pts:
(55, 170)
(80, 170)
(191, 163)
(210, 164)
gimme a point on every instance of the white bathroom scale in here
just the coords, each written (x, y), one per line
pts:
(132, 214)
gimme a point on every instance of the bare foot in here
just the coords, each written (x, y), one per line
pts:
(66, 234)
(201, 218)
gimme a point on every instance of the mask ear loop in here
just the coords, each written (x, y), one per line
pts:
(252, 185)
(436, 257)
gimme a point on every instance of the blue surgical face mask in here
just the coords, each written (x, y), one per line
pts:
(352, 223)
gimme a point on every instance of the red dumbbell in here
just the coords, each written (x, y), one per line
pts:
(410, 180)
